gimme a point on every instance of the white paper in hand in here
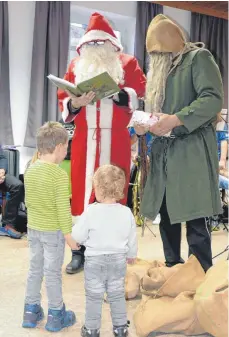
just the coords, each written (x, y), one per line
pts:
(143, 118)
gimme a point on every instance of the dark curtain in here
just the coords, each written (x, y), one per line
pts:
(50, 55)
(6, 134)
(146, 11)
(214, 33)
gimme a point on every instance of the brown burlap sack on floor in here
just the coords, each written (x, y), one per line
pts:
(167, 315)
(134, 274)
(132, 285)
(140, 267)
(211, 300)
(163, 281)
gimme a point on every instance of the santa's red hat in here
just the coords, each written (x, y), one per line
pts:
(99, 29)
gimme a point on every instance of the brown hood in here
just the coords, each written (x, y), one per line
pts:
(164, 36)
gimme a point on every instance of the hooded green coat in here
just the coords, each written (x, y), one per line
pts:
(186, 167)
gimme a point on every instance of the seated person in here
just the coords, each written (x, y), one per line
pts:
(15, 188)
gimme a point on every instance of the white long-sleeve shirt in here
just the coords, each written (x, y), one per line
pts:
(107, 229)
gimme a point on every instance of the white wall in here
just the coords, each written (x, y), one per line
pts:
(21, 24)
(181, 17)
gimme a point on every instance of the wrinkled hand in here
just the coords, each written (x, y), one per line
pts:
(165, 124)
(130, 260)
(85, 99)
(222, 164)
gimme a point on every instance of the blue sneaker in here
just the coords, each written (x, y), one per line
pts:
(59, 319)
(8, 230)
(3, 232)
(33, 313)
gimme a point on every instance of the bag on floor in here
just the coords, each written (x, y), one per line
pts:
(163, 281)
(132, 285)
(211, 300)
(167, 315)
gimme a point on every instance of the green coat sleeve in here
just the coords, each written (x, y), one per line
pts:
(208, 86)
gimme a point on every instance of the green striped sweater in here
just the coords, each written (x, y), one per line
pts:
(47, 198)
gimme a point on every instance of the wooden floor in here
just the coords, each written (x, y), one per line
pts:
(14, 260)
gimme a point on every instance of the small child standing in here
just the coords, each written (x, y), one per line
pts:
(108, 231)
(49, 226)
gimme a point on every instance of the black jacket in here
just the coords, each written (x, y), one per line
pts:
(3, 161)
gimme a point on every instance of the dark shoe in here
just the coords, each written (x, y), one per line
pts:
(33, 313)
(8, 230)
(77, 262)
(171, 264)
(59, 319)
(121, 331)
(89, 333)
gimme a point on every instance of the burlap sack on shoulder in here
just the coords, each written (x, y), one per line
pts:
(211, 300)
(163, 281)
(167, 315)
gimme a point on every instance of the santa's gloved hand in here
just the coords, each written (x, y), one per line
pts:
(121, 98)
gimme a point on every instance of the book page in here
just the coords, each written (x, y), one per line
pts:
(65, 85)
(102, 85)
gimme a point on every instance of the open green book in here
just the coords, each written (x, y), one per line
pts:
(102, 85)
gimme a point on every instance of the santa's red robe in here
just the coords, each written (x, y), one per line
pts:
(101, 135)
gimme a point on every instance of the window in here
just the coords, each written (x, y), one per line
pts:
(76, 32)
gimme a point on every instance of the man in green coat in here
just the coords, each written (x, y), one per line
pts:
(184, 89)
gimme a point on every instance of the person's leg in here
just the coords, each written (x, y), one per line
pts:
(33, 311)
(199, 241)
(77, 262)
(54, 247)
(16, 191)
(116, 293)
(171, 237)
(95, 274)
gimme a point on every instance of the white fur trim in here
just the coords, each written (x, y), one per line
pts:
(91, 151)
(106, 118)
(93, 35)
(133, 98)
(67, 117)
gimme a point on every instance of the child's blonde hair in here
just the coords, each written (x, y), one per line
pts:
(49, 136)
(110, 181)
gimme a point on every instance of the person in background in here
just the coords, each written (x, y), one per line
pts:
(49, 227)
(222, 143)
(184, 89)
(108, 231)
(15, 195)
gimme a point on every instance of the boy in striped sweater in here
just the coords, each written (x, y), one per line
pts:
(49, 227)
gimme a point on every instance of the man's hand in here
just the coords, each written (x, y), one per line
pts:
(130, 260)
(71, 242)
(2, 173)
(165, 124)
(78, 102)
(2, 176)
(222, 164)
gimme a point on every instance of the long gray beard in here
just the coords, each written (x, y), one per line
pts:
(159, 66)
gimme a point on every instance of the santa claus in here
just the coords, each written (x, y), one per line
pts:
(101, 135)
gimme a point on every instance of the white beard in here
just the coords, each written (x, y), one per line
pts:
(95, 60)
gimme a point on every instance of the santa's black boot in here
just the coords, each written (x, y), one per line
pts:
(77, 262)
